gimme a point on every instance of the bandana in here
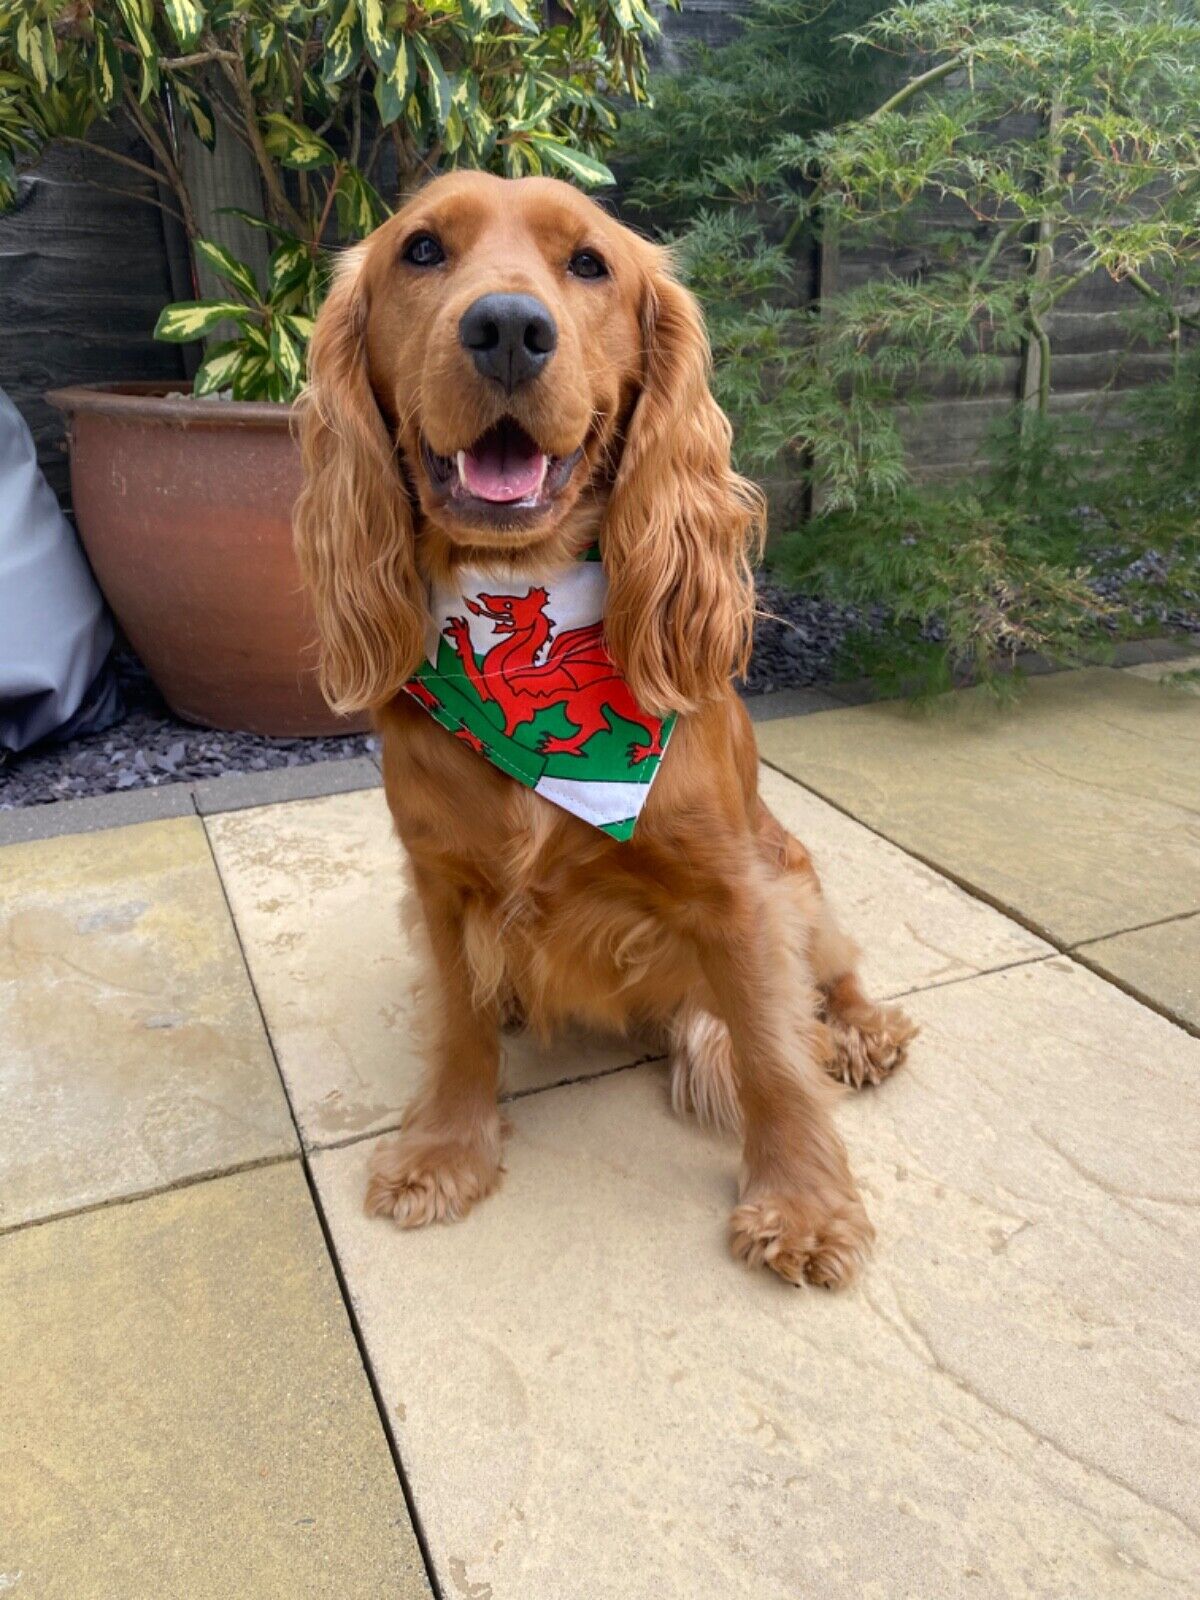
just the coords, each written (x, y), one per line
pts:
(520, 672)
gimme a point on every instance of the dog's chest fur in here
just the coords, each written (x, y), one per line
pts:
(554, 912)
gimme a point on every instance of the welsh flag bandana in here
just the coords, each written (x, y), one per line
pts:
(519, 671)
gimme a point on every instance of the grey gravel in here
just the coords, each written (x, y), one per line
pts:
(798, 639)
(150, 747)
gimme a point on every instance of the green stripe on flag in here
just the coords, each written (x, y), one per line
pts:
(457, 709)
(619, 830)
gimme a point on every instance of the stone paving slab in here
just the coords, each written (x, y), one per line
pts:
(1076, 809)
(184, 1411)
(1160, 963)
(592, 1399)
(132, 1055)
(914, 926)
(316, 889)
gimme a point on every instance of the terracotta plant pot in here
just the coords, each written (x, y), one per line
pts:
(184, 508)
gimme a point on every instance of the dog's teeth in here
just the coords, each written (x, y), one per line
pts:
(542, 479)
(461, 460)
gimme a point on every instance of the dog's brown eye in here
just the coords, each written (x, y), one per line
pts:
(587, 264)
(424, 251)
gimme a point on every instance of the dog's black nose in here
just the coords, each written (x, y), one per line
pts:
(510, 337)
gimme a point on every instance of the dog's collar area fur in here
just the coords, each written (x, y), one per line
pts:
(518, 669)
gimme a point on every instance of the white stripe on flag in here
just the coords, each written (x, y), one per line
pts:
(599, 803)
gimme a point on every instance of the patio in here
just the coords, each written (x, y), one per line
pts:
(222, 1379)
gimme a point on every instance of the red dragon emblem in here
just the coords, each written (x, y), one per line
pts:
(576, 672)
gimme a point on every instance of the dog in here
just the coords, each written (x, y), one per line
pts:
(503, 377)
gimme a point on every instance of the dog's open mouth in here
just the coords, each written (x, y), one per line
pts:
(504, 471)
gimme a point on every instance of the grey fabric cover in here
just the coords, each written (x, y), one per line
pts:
(55, 634)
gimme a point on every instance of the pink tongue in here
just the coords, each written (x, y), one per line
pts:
(502, 470)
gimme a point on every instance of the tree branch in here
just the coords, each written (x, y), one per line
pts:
(1035, 379)
(1143, 288)
(134, 166)
(114, 155)
(914, 87)
(328, 206)
(198, 58)
(285, 212)
(174, 178)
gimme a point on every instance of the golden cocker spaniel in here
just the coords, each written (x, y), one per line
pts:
(501, 378)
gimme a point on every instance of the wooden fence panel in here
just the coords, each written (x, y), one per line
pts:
(83, 275)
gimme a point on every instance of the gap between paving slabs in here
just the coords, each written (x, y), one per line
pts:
(343, 1288)
(1077, 952)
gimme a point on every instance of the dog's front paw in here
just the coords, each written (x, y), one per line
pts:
(816, 1238)
(416, 1180)
(868, 1043)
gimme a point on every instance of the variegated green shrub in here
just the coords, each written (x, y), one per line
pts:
(326, 97)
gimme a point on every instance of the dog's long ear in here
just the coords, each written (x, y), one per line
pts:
(682, 527)
(353, 522)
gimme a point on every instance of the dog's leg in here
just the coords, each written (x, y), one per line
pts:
(447, 1155)
(702, 1077)
(799, 1212)
(864, 1042)
(867, 1041)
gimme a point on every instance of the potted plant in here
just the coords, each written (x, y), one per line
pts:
(301, 118)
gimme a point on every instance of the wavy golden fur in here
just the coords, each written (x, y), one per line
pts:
(709, 924)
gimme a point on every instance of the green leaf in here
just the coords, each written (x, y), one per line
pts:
(435, 75)
(219, 368)
(478, 13)
(255, 338)
(359, 207)
(343, 46)
(291, 266)
(199, 110)
(8, 181)
(138, 17)
(227, 266)
(286, 357)
(295, 146)
(392, 89)
(187, 20)
(379, 38)
(192, 319)
(250, 379)
(516, 11)
(30, 52)
(254, 221)
(107, 65)
(587, 169)
(625, 14)
(265, 40)
(301, 328)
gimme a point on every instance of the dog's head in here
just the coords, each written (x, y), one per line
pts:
(502, 370)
